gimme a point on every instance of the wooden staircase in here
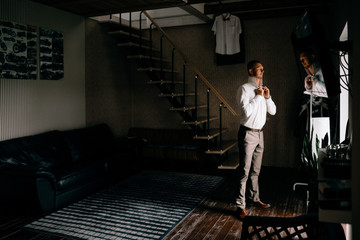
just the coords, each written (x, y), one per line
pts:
(151, 61)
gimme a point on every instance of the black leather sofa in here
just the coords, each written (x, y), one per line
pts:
(56, 168)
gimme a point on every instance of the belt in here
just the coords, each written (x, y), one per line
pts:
(242, 127)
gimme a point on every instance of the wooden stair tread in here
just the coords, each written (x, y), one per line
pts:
(212, 133)
(200, 120)
(121, 32)
(101, 20)
(164, 82)
(176, 94)
(186, 108)
(108, 21)
(131, 44)
(226, 146)
(140, 56)
(115, 21)
(231, 163)
(150, 69)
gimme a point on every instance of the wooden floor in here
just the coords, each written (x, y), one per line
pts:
(214, 219)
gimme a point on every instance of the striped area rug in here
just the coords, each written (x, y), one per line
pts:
(146, 206)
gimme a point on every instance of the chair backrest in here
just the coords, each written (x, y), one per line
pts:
(300, 227)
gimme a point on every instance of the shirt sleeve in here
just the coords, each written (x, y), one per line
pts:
(319, 87)
(246, 104)
(238, 26)
(270, 105)
(214, 26)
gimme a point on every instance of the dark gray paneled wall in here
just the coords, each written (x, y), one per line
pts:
(108, 91)
(267, 40)
(117, 93)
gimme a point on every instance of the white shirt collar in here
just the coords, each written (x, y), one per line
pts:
(252, 80)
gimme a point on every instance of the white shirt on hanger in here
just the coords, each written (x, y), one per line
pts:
(227, 29)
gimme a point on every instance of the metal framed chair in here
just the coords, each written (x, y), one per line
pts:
(301, 227)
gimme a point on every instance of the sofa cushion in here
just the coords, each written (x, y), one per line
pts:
(45, 150)
(90, 143)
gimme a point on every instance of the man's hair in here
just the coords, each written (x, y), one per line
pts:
(308, 52)
(251, 64)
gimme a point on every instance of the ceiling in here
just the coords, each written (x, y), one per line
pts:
(91, 8)
(247, 8)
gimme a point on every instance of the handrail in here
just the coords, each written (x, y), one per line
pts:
(193, 67)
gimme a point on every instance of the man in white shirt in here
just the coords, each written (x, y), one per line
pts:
(255, 102)
(314, 81)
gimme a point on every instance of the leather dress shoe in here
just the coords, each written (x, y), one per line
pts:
(241, 212)
(260, 204)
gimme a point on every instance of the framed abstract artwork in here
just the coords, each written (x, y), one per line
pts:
(30, 52)
(51, 47)
(18, 51)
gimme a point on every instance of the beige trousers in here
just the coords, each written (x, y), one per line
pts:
(251, 148)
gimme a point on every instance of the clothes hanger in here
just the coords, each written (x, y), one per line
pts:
(226, 16)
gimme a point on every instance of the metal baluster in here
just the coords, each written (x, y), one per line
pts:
(220, 114)
(184, 90)
(130, 29)
(184, 86)
(151, 60)
(208, 117)
(161, 59)
(140, 33)
(172, 71)
(195, 98)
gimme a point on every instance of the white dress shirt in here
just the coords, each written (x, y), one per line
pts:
(227, 32)
(253, 108)
(318, 89)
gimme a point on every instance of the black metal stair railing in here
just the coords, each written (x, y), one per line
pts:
(161, 59)
(184, 85)
(179, 101)
(208, 117)
(183, 98)
(151, 41)
(195, 112)
(220, 126)
(192, 66)
(172, 70)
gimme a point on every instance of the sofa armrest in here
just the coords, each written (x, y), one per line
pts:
(46, 188)
(48, 176)
(23, 177)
